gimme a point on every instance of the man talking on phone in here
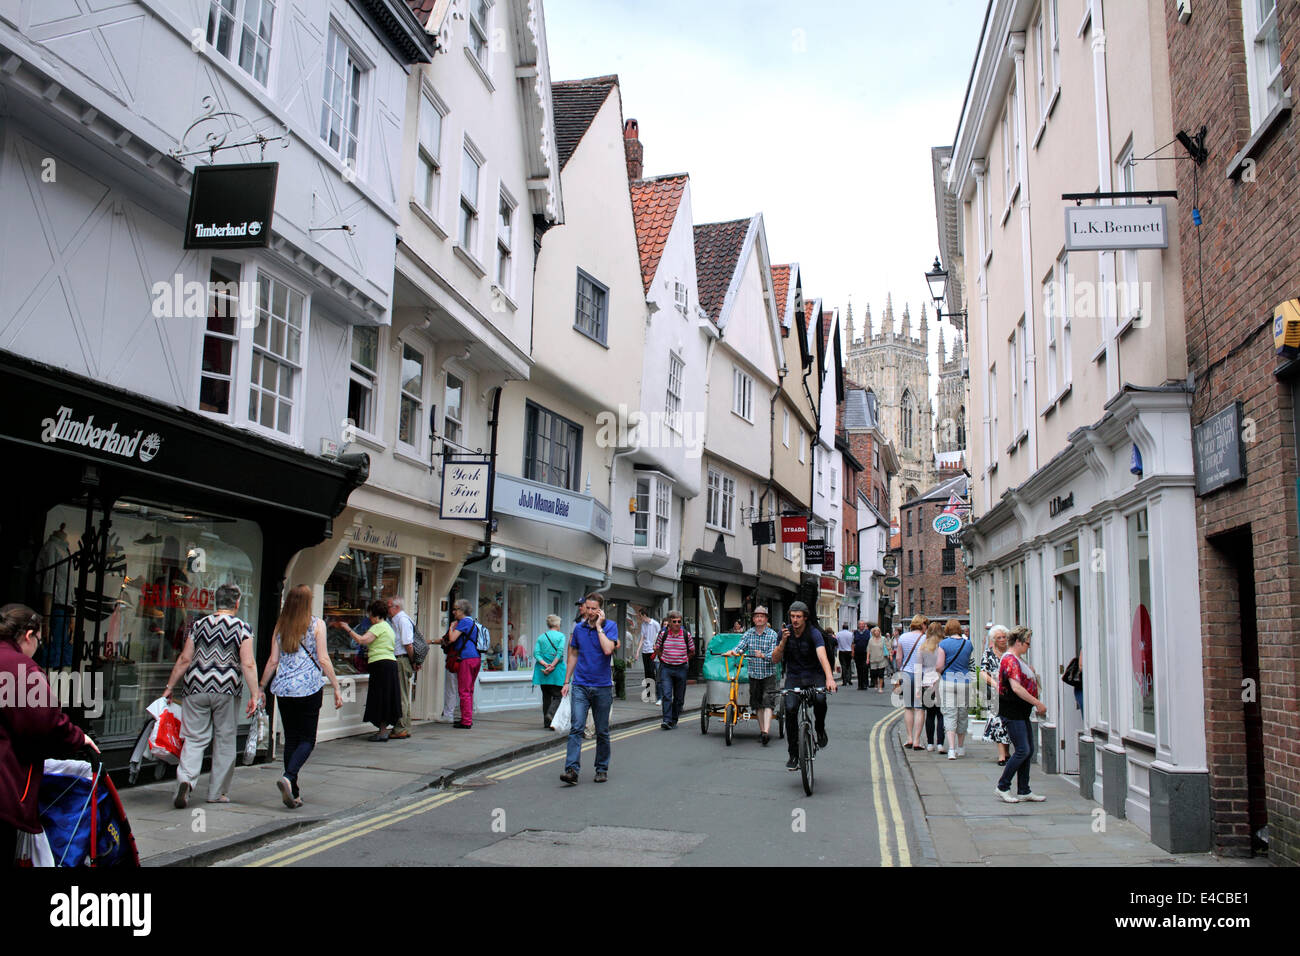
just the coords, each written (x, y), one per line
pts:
(803, 649)
(590, 666)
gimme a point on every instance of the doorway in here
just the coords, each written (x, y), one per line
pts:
(1070, 721)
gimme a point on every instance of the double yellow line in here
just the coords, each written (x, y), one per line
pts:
(883, 790)
(328, 841)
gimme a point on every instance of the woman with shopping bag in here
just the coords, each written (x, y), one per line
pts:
(27, 733)
(218, 651)
(548, 668)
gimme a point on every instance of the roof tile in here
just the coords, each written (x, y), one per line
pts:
(576, 104)
(717, 251)
(781, 283)
(654, 208)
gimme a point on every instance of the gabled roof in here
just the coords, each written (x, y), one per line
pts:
(953, 486)
(858, 413)
(576, 104)
(781, 285)
(654, 208)
(717, 252)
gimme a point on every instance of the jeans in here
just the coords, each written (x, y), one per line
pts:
(301, 716)
(933, 723)
(466, 674)
(1078, 698)
(672, 689)
(792, 719)
(1022, 738)
(846, 667)
(648, 663)
(551, 694)
(860, 658)
(598, 700)
(208, 718)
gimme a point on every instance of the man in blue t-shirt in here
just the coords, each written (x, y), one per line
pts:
(590, 662)
(461, 640)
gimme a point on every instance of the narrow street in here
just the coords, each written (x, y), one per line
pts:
(673, 798)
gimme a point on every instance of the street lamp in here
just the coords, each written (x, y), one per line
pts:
(937, 280)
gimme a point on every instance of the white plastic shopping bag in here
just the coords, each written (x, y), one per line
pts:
(259, 730)
(165, 739)
(33, 850)
(563, 718)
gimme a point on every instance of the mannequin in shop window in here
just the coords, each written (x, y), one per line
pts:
(54, 565)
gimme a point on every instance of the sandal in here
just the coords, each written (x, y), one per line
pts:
(221, 799)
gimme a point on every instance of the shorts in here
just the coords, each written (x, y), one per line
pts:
(762, 692)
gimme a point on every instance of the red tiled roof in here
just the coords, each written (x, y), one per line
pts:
(421, 9)
(654, 207)
(576, 104)
(717, 250)
(781, 284)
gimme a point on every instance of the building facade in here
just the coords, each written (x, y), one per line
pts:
(1231, 68)
(931, 570)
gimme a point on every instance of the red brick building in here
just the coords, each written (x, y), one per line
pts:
(930, 565)
(1231, 72)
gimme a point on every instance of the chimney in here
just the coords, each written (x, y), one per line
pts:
(632, 148)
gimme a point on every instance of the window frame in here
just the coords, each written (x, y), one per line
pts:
(416, 449)
(238, 21)
(720, 503)
(458, 420)
(428, 163)
(1264, 90)
(532, 414)
(506, 283)
(742, 394)
(1127, 277)
(359, 377)
(294, 435)
(232, 339)
(601, 313)
(482, 58)
(362, 66)
(474, 206)
(673, 399)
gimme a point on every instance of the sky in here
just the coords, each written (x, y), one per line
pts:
(818, 114)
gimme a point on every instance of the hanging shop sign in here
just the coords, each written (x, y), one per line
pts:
(828, 561)
(465, 487)
(893, 582)
(946, 523)
(1218, 451)
(1143, 226)
(794, 529)
(231, 206)
(764, 532)
(814, 553)
(852, 572)
(890, 563)
(1286, 328)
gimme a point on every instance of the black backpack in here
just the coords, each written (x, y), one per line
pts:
(419, 643)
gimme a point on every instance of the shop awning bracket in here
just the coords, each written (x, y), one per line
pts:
(219, 126)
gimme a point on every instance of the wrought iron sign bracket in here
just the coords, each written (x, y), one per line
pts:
(224, 125)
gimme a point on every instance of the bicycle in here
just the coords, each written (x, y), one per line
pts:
(803, 726)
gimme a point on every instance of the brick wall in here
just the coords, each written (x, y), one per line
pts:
(1250, 241)
(925, 540)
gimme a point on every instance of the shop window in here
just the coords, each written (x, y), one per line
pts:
(163, 566)
(1139, 583)
(359, 577)
(552, 448)
(363, 410)
(507, 610)
(1101, 624)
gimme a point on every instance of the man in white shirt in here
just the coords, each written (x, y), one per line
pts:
(649, 634)
(404, 648)
(844, 644)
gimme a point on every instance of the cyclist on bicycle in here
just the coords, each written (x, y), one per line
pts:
(803, 649)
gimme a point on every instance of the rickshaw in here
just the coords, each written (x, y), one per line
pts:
(726, 682)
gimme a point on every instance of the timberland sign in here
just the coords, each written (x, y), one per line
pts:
(231, 206)
(1144, 226)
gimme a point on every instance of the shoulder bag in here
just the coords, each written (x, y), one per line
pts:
(898, 674)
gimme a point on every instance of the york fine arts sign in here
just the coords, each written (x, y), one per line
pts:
(1217, 450)
(465, 486)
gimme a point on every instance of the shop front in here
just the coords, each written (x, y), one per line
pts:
(717, 597)
(1096, 553)
(133, 514)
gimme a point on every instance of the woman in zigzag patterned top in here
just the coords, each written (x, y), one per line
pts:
(218, 650)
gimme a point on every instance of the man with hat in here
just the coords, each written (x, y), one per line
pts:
(803, 650)
(757, 644)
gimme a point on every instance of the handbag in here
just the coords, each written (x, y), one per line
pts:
(1073, 674)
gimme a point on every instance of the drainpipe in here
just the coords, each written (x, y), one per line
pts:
(812, 465)
(608, 580)
(492, 458)
(771, 474)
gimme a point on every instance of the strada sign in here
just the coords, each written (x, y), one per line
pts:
(1116, 227)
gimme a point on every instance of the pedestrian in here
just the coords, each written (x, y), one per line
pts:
(844, 644)
(673, 649)
(218, 650)
(450, 690)
(649, 635)
(877, 654)
(803, 651)
(590, 679)
(463, 633)
(861, 640)
(994, 730)
(907, 659)
(954, 664)
(757, 644)
(384, 695)
(301, 664)
(548, 668)
(28, 733)
(404, 650)
(1017, 696)
(929, 655)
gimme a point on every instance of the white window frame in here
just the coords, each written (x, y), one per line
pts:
(1013, 359)
(231, 308)
(458, 419)
(1049, 322)
(236, 12)
(681, 297)
(991, 427)
(505, 245)
(1063, 311)
(787, 547)
(720, 501)
(1022, 349)
(482, 56)
(247, 348)
(785, 429)
(352, 95)
(470, 154)
(1127, 280)
(819, 459)
(1263, 82)
(802, 457)
(428, 159)
(673, 396)
(742, 394)
(368, 379)
(1040, 50)
(1052, 8)
(663, 515)
(654, 511)
(416, 449)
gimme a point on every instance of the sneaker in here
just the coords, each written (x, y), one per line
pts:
(943, 748)
(961, 751)
(1006, 796)
(665, 727)
(570, 777)
(460, 726)
(952, 755)
(601, 776)
(286, 792)
(765, 739)
(182, 796)
(659, 702)
(823, 741)
(792, 763)
(929, 747)
(1032, 797)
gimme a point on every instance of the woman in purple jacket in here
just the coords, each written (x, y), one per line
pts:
(32, 727)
